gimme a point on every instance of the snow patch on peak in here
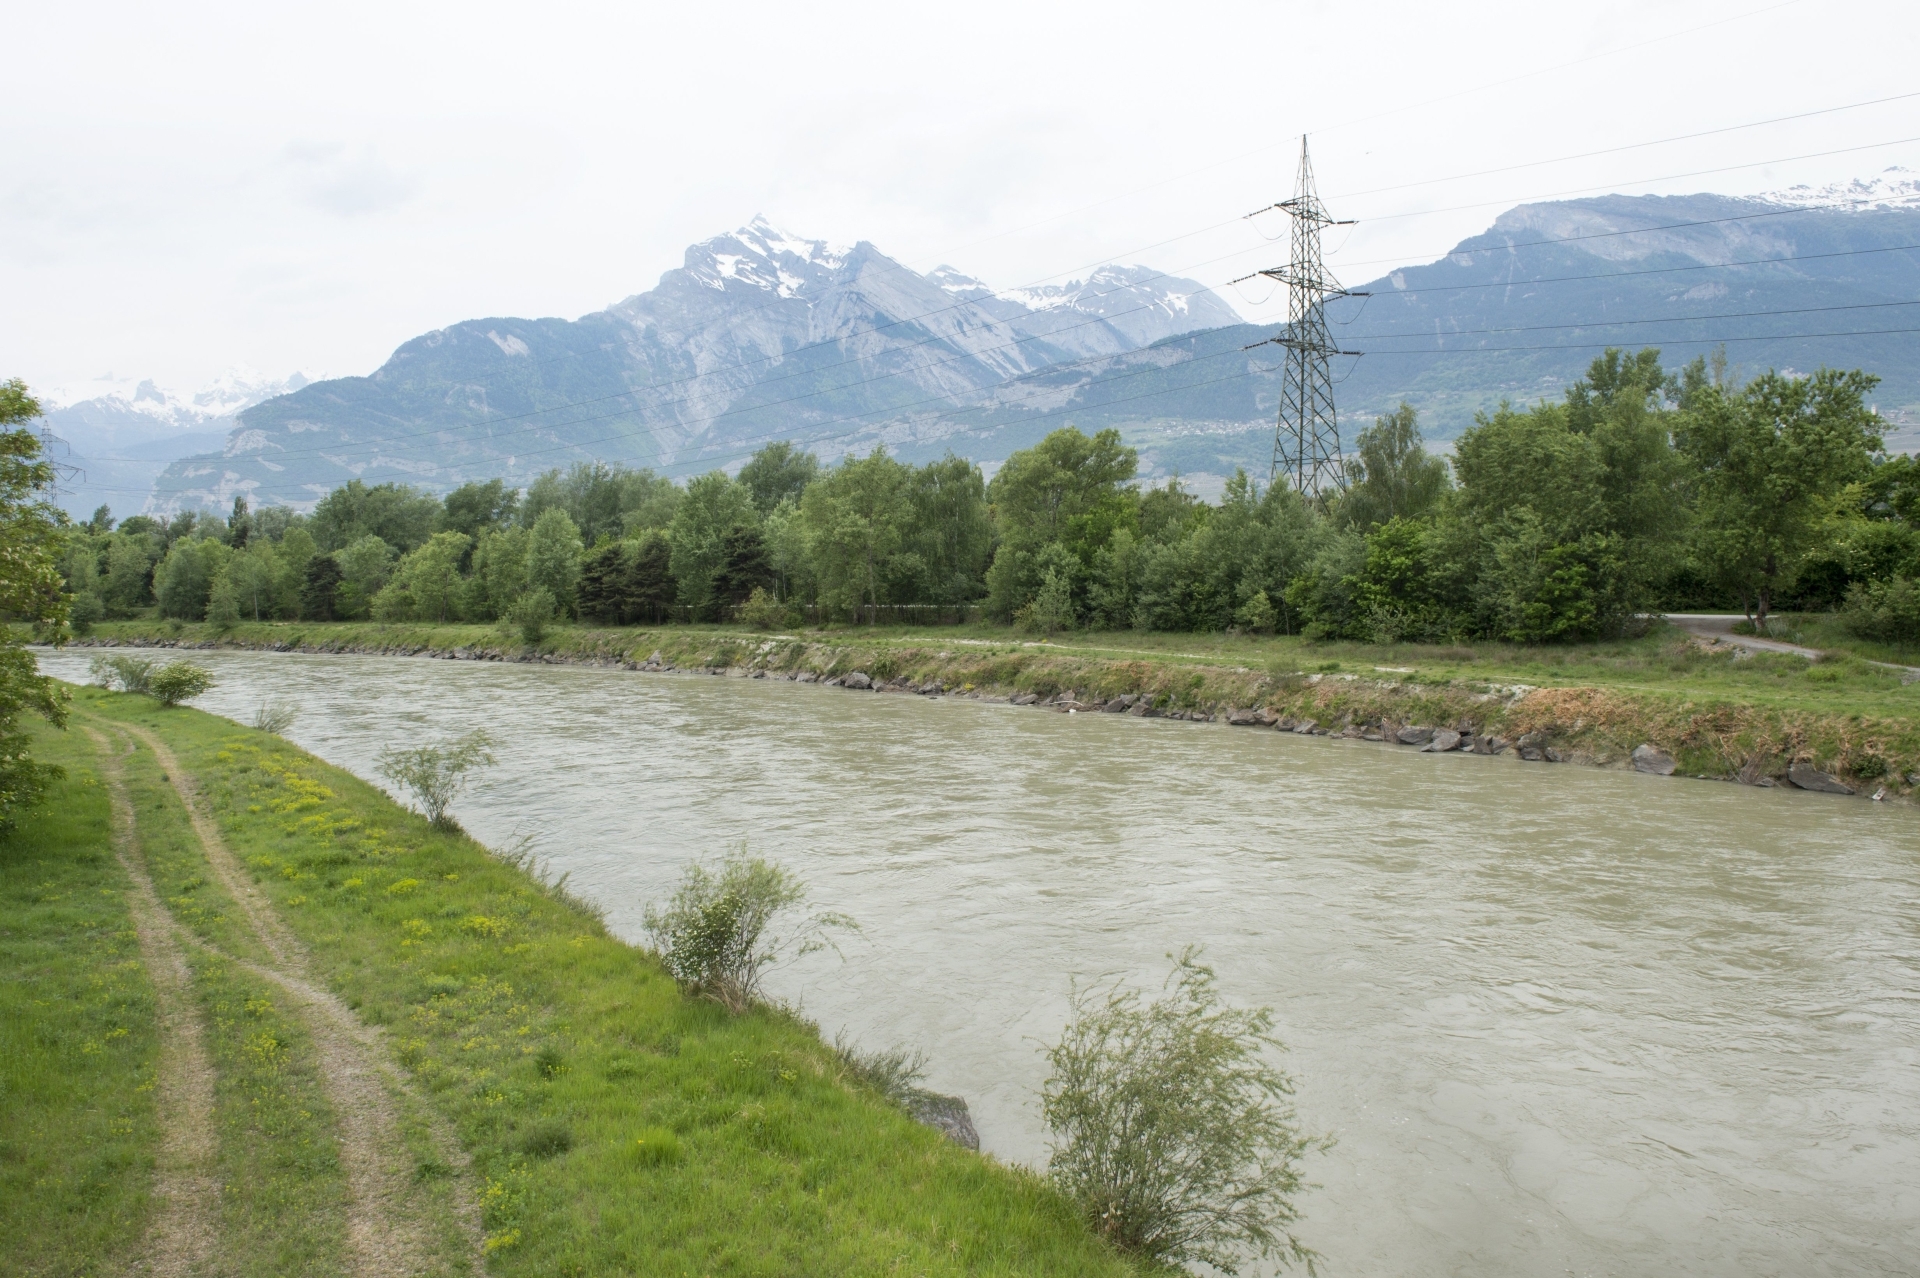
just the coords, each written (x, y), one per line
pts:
(233, 390)
(761, 255)
(772, 242)
(1892, 188)
(959, 283)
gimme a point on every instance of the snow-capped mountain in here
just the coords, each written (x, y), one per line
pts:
(1892, 188)
(118, 434)
(762, 335)
(759, 334)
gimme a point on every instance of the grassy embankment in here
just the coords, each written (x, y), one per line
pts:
(78, 1045)
(1719, 712)
(614, 1125)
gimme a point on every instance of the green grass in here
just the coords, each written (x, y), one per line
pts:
(1825, 630)
(615, 1125)
(78, 1044)
(282, 1191)
(1660, 663)
(1719, 711)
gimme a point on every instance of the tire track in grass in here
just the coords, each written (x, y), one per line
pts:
(180, 1237)
(388, 1229)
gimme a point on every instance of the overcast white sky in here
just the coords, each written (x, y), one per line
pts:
(191, 187)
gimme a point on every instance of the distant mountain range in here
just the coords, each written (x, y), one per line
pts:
(114, 437)
(761, 335)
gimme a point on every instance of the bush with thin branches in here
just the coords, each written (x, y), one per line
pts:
(129, 674)
(716, 935)
(1171, 1130)
(437, 774)
(275, 715)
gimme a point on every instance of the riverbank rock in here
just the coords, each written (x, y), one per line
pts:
(945, 1114)
(1443, 739)
(1808, 777)
(1413, 736)
(1305, 727)
(1242, 718)
(1652, 759)
(857, 679)
(1025, 699)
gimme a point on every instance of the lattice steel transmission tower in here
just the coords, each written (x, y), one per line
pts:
(1306, 440)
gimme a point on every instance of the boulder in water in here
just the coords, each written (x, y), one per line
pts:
(1652, 759)
(1808, 777)
(946, 1114)
(857, 679)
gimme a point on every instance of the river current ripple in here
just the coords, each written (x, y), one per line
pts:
(1561, 1020)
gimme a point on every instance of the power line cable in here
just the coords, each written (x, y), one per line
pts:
(1674, 319)
(1615, 150)
(1658, 270)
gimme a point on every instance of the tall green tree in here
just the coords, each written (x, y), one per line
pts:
(1390, 476)
(256, 574)
(425, 585)
(713, 507)
(499, 573)
(185, 578)
(1070, 490)
(474, 508)
(30, 544)
(951, 531)
(650, 586)
(603, 575)
(553, 557)
(856, 518)
(365, 565)
(744, 569)
(776, 473)
(1769, 461)
(130, 562)
(397, 514)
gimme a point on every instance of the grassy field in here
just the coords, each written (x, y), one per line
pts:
(77, 1037)
(1722, 712)
(613, 1125)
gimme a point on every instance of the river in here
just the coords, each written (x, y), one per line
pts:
(1561, 1020)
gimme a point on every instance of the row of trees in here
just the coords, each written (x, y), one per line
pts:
(1639, 490)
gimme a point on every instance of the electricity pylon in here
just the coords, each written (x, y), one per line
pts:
(1306, 440)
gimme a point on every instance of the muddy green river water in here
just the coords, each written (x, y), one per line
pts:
(1561, 1020)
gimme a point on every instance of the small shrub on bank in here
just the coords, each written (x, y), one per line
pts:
(763, 612)
(1171, 1131)
(275, 715)
(1886, 611)
(715, 934)
(436, 774)
(895, 1073)
(533, 613)
(178, 682)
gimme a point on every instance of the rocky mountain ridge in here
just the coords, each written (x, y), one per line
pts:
(762, 335)
(758, 334)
